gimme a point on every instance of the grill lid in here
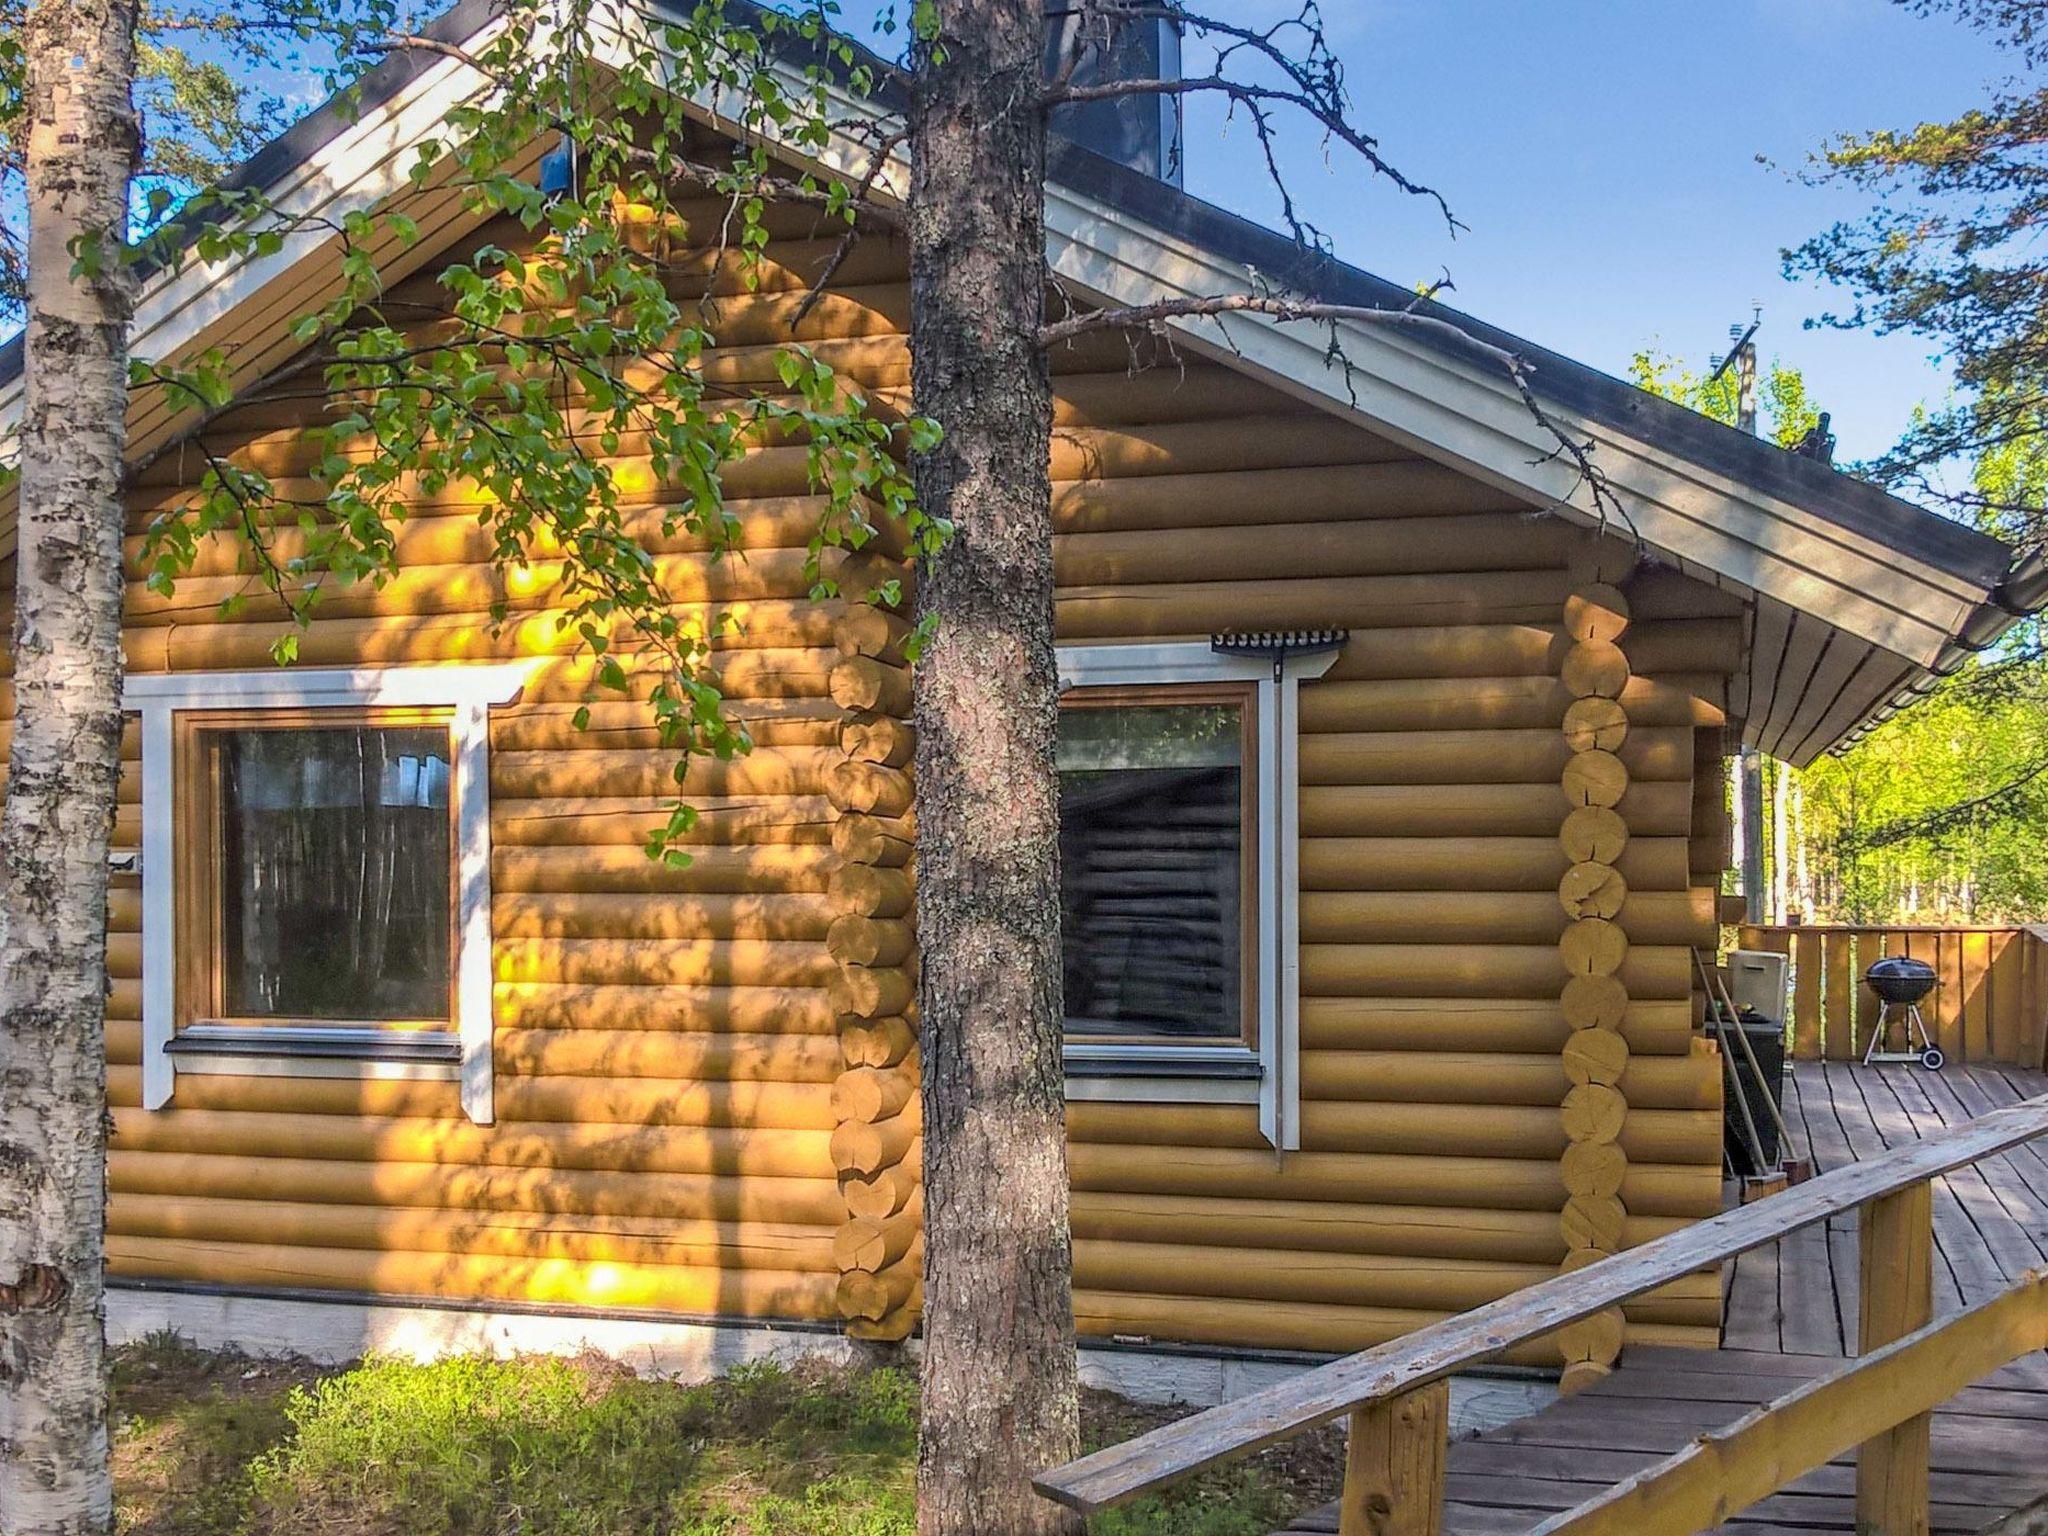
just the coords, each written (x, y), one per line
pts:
(1897, 979)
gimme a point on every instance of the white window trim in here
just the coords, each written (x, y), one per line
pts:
(467, 691)
(1278, 733)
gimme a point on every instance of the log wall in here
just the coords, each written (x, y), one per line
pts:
(1498, 899)
(706, 1075)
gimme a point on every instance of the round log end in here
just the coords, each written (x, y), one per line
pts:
(1598, 611)
(1595, 723)
(1592, 889)
(1595, 1057)
(1594, 1002)
(1593, 1223)
(1594, 1113)
(1595, 669)
(1593, 834)
(1595, 778)
(1593, 1170)
(1593, 946)
(1594, 1340)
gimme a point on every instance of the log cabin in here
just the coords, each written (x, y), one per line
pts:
(1394, 813)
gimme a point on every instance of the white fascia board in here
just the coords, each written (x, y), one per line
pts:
(1466, 413)
(355, 170)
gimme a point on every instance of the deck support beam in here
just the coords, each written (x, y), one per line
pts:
(1895, 1271)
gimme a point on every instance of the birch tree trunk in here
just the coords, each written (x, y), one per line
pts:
(999, 1369)
(62, 767)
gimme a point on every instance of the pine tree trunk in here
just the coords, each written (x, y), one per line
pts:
(62, 768)
(999, 1370)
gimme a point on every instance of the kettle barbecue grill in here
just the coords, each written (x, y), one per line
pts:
(1900, 984)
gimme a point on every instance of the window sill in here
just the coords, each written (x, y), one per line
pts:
(1163, 1074)
(284, 1050)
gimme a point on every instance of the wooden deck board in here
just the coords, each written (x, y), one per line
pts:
(1791, 1311)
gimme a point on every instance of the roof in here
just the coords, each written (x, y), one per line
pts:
(1823, 489)
(317, 128)
(1856, 595)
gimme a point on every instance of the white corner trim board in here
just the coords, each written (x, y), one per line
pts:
(467, 691)
(1279, 824)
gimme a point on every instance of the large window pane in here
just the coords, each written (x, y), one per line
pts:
(333, 875)
(1151, 869)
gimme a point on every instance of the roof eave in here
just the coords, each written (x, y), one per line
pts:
(1894, 575)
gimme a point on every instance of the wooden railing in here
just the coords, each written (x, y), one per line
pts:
(1991, 1006)
(1397, 1394)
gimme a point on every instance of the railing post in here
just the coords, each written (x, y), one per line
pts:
(1394, 1465)
(1895, 1269)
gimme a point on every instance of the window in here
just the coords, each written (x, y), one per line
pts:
(315, 862)
(1158, 841)
(1179, 875)
(317, 853)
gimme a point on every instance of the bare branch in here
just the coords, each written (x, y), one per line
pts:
(878, 161)
(1248, 95)
(1569, 447)
(1295, 48)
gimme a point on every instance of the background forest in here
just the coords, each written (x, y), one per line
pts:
(1940, 814)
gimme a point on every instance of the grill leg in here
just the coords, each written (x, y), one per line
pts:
(1912, 1023)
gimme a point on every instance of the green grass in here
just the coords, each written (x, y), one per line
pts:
(217, 1445)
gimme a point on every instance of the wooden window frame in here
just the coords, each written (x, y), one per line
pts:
(1268, 1077)
(1245, 698)
(201, 973)
(468, 690)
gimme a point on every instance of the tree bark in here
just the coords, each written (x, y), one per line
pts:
(999, 1396)
(62, 769)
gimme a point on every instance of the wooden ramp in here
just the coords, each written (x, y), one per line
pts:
(1791, 1312)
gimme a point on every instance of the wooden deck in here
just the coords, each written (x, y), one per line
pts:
(1791, 1310)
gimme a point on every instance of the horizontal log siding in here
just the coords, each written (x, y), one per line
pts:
(667, 1063)
(1430, 1177)
(697, 1092)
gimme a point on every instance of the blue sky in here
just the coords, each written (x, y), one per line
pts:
(1605, 155)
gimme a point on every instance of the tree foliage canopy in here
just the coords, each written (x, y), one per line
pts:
(1788, 413)
(560, 384)
(1937, 815)
(1952, 251)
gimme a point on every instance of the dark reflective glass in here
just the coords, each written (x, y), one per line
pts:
(1151, 870)
(333, 873)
